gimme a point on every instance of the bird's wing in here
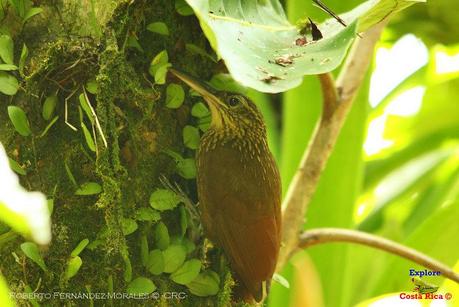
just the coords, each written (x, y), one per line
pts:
(240, 205)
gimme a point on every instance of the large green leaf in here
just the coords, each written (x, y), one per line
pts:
(443, 190)
(376, 170)
(382, 10)
(6, 49)
(439, 103)
(254, 36)
(5, 299)
(9, 85)
(404, 180)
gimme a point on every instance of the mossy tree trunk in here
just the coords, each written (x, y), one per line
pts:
(71, 43)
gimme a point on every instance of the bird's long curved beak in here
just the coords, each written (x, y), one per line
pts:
(208, 93)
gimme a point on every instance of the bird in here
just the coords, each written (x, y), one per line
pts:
(239, 189)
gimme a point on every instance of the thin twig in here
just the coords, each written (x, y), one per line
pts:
(329, 235)
(66, 110)
(335, 109)
(96, 119)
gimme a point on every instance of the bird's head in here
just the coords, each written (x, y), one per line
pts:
(230, 111)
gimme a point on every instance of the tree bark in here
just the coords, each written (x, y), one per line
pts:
(71, 43)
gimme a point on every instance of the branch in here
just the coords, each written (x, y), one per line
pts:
(327, 235)
(335, 109)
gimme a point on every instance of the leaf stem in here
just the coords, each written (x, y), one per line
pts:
(329, 235)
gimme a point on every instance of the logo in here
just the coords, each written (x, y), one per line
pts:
(413, 272)
(423, 289)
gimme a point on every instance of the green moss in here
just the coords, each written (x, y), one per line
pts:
(137, 129)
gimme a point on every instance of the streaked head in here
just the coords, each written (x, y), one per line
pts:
(229, 110)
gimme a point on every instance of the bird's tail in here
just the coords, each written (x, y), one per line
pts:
(253, 293)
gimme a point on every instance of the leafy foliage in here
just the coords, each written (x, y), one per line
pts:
(248, 35)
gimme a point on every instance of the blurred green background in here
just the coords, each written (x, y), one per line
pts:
(394, 171)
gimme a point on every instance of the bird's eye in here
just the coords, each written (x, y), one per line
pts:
(234, 101)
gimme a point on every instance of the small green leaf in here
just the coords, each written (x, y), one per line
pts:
(50, 205)
(128, 226)
(19, 120)
(163, 199)
(141, 285)
(189, 245)
(174, 256)
(87, 109)
(127, 274)
(69, 174)
(204, 123)
(49, 106)
(79, 248)
(132, 42)
(174, 96)
(51, 123)
(31, 251)
(9, 85)
(147, 214)
(187, 272)
(89, 188)
(144, 249)
(187, 168)
(200, 110)
(27, 289)
(193, 93)
(183, 220)
(161, 73)
(159, 60)
(6, 49)
(185, 242)
(206, 284)
(91, 86)
(23, 58)
(192, 48)
(8, 67)
(183, 8)
(32, 12)
(80, 113)
(158, 27)
(16, 167)
(73, 266)
(155, 262)
(191, 137)
(88, 138)
(162, 238)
